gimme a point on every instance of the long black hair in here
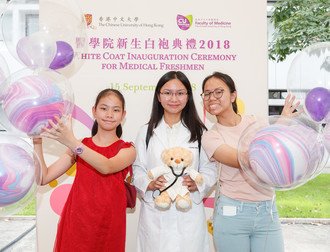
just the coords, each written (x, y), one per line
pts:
(228, 81)
(189, 115)
(105, 93)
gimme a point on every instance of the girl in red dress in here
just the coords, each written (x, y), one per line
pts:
(94, 215)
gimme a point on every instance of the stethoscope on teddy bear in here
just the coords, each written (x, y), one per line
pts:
(159, 192)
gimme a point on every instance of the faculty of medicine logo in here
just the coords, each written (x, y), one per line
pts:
(184, 22)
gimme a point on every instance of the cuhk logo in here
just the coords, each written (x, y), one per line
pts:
(89, 19)
(184, 22)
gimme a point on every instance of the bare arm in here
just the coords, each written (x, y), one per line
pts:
(55, 170)
(124, 158)
(227, 155)
(62, 132)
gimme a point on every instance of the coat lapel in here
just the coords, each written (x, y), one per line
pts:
(161, 134)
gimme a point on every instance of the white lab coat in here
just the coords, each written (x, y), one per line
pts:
(171, 230)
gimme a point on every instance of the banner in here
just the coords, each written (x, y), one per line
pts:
(131, 44)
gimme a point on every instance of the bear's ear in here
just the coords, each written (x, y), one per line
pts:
(164, 155)
(182, 150)
(189, 155)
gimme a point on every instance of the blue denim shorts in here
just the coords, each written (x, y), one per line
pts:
(246, 226)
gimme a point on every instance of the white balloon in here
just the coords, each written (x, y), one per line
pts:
(36, 50)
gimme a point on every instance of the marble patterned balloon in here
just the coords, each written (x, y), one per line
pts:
(17, 173)
(31, 101)
(283, 156)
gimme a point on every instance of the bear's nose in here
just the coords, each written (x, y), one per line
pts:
(177, 161)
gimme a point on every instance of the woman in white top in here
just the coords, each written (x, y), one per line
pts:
(174, 122)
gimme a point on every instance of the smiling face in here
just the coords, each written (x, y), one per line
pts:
(218, 106)
(177, 158)
(173, 97)
(109, 112)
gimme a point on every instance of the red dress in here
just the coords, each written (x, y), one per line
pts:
(94, 215)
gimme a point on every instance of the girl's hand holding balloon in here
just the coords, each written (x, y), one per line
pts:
(61, 131)
(290, 108)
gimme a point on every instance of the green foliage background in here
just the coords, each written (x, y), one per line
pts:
(298, 24)
(311, 200)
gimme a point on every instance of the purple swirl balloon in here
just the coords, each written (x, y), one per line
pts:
(31, 101)
(282, 156)
(17, 173)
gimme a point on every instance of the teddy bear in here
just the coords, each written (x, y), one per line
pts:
(177, 163)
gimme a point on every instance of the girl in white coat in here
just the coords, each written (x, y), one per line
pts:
(174, 122)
